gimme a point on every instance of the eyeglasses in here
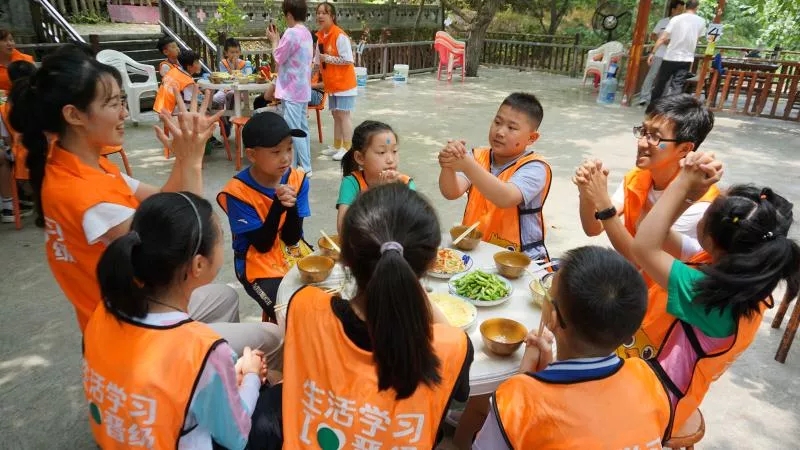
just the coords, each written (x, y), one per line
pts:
(639, 132)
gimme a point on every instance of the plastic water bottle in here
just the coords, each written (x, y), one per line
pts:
(608, 87)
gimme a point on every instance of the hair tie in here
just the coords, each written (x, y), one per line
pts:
(765, 193)
(735, 219)
(391, 245)
(768, 236)
(199, 223)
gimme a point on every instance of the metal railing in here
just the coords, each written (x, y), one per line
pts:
(177, 25)
(379, 59)
(50, 26)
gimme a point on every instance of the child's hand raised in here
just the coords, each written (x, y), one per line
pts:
(538, 351)
(700, 170)
(456, 148)
(189, 130)
(251, 362)
(286, 195)
(592, 181)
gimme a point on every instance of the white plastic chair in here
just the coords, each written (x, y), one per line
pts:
(125, 65)
(609, 50)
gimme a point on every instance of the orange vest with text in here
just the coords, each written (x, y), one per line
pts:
(70, 188)
(175, 81)
(330, 386)
(502, 226)
(637, 184)
(628, 409)
(139, 379)
(362, 182)
(280, 258)
(16, 55)
(338, 78)
(240, 65)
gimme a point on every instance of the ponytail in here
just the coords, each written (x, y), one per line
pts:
(349, 164)
(750, 226)
(400, 324)
(25, 118)
(390, 237)
(123, 294)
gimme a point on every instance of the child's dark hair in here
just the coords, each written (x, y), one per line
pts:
(20, 69)
(66, 77)
(362, 137)
(750, 225)
(144, 263)
(4, 33)
(602, 297)
(231, 43)
(398, 314)
(187, 57)
(330, 9)
(691, 120)
(163, 42)
(527, 104)
(297, 8)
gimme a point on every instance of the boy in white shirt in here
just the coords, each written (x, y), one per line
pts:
(682, 32)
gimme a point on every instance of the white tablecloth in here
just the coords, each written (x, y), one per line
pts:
(488, 370)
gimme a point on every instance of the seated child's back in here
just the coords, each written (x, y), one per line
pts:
(589, 398)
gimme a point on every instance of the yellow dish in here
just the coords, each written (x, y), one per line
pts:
(459, 313)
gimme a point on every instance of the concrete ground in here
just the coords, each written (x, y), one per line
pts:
(752, 406)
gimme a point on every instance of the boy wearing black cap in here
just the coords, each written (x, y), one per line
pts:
(266, 204)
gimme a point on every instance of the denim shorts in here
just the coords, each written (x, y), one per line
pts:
(347, 103)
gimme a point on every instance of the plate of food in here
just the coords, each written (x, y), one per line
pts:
(450, 262)
(458, 312)
(481, 288)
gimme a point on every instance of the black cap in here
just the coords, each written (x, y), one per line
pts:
(267, 129)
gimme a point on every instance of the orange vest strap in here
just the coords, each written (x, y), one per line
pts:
(338, 78)
(362, 181)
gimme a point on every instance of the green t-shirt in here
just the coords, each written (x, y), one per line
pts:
(680, 296)
(348, 190)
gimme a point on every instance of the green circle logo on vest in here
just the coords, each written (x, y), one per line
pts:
(329, 438)
(94, 410)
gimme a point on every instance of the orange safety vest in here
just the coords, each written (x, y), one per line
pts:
(167, 62)
(139, 379)
(227, 66)
(280, 258)
(502, 226)
(362, 182)
(637, 184)
(16, 55)
(338, 78)
(17, 149)
(70, 188)
(330, 386)
(628, 409)
(175, 80)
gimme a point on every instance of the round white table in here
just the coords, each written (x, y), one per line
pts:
(488, 369)
(236, 88)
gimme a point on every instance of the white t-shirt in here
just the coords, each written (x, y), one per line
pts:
(102, 217)
(686, 223)
(684, 30)
(657, 30)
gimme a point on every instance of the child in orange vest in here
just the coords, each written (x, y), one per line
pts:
(589, 397)
(506, 183)
(372, 160)
(375, 370)
(266, 204)
(153, 377)
(713, 311)
(179, 80)
(169, 48)
(673, 127)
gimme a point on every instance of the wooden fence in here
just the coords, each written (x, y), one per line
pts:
(761, 94)
(566, 59)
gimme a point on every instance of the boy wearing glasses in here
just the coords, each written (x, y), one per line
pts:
(673, 126)
(589, 397)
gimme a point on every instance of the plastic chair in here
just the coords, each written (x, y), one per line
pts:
(121, 151)
(319, 108)
(690, 433)
(126, 66)
(238, 124)
(608, 51)
(451, 54)
(222, 133)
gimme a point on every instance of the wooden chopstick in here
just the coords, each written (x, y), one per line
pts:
(464, 234)
(330, 241)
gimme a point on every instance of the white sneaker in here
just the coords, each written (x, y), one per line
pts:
(339, 155)
(310, 174)
(330, 151)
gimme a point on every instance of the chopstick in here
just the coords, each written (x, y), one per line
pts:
(331, 291)
(464, 234)
(330, 241)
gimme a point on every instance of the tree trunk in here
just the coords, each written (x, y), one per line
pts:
(417, 20)
(477, 34)
(75, 10)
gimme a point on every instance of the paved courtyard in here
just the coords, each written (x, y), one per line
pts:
(752, 406)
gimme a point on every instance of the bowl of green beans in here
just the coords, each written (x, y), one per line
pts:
(481, 288)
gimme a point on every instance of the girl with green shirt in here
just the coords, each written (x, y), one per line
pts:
(372, 160)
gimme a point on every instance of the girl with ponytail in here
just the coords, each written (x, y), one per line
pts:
(715, 309)
(67, 112)
(143, 341)
(381, 351)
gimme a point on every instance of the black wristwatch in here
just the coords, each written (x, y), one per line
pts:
(606, 213)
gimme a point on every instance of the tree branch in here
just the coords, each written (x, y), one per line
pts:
(456, 10)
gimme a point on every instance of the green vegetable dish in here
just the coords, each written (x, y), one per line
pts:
(479, 285)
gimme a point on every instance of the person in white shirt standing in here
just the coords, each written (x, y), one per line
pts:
(676, 7)
(682, 32)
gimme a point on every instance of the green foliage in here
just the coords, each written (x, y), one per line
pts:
(230, 20)
(88, 17)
